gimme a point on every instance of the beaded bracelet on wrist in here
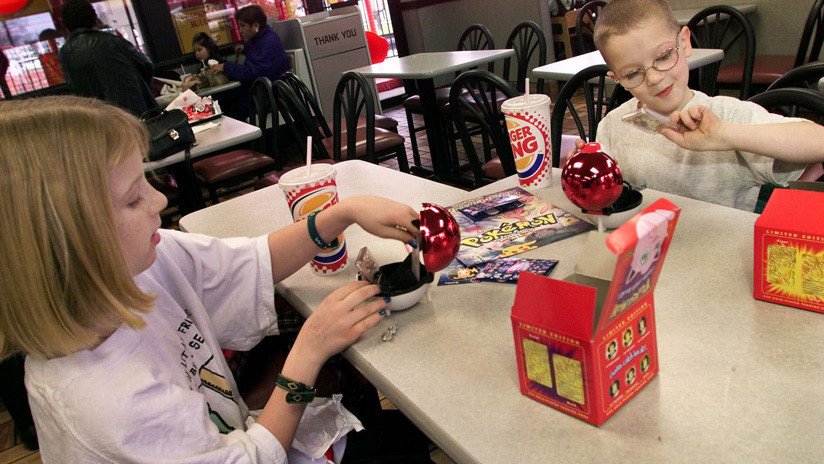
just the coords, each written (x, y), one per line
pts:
(296, 392)
(315, 236)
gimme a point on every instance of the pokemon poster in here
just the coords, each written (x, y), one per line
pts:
(510, 222)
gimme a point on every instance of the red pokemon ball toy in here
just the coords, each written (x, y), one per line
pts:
(591, 179)
(12, 6)
(440, 237)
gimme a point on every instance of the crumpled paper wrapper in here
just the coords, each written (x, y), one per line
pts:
(324, 425)
(186, 98)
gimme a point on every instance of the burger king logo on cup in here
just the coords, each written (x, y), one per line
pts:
(529, 138)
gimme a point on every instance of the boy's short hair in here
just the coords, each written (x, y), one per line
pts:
(620, 16)
(78, 14)
(63, 276)
(251, 14)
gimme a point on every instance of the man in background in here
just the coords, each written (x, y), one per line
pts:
(102, 65)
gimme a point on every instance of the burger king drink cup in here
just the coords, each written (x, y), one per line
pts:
(527, 120)
(313, 188)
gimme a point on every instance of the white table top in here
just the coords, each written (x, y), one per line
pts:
(564, 70)
(740, 379)
(683, 16)
(164, 100)
(429, 65)
(230, 132)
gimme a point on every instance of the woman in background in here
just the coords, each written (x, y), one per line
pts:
(265, 57)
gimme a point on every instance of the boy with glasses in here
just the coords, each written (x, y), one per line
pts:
(717, 154)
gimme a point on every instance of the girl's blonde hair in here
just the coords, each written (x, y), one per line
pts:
(64, 281)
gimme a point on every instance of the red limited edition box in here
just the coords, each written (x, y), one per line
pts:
(789, 250)
(585, 345)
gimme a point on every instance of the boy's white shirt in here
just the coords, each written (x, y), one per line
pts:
(145, 395)
(729, 178)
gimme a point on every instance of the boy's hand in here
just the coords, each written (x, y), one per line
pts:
(699, 130)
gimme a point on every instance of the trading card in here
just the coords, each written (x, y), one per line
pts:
(537, 362)
(569, 378)
(649, 120)
(507, 269)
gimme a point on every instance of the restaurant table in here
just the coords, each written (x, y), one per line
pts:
(226, 132)
(423, 68)
(740, 379)
(564, 70)
(163, 100)
(683, 16)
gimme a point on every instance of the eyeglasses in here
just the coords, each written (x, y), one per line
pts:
(663, 62)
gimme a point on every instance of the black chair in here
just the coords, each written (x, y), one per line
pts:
(311, 104)
(232, 171)
(805, 76)
(474, 97)
(308, 100)
(585, 25)
(790, 102)
(723, 27)
(601, 95)
(378, 146)
(354, 102)
(768, 68)
(474, 37)
(527, 39)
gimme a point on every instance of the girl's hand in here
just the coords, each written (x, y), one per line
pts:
(216, 68)
(339, 321)
(383, 217)
(699, 130)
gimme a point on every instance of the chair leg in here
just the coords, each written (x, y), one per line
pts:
(403, 162)
(213, 195)
(416, 156)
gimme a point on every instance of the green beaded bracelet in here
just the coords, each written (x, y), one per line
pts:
(296, 392)
(315, 236)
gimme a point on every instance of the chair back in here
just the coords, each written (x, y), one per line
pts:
(723, 27)
(476, 37)
(809, 48)
(353, 99)
(473, 97)
(309, 101)
(528, 40)
(792, 102)
(600, 96)
(805, 76)
(585, 25)
(263, 113)
(297, 118)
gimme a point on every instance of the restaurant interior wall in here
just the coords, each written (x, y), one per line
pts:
(777, 24)
(437, 27)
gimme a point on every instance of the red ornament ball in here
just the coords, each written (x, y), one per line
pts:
(440, 237)
(591, 179)
(11, 6)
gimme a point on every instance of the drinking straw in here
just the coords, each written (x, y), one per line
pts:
(601, 227)
(182, 70)
(526, 86)
(308, 156)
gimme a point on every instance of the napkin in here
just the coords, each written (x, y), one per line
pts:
(186, 98)
(324, 425)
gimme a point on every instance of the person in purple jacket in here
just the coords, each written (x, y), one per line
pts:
(265, 57)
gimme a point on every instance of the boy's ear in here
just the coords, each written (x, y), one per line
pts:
(687, 34)
(611, 75)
